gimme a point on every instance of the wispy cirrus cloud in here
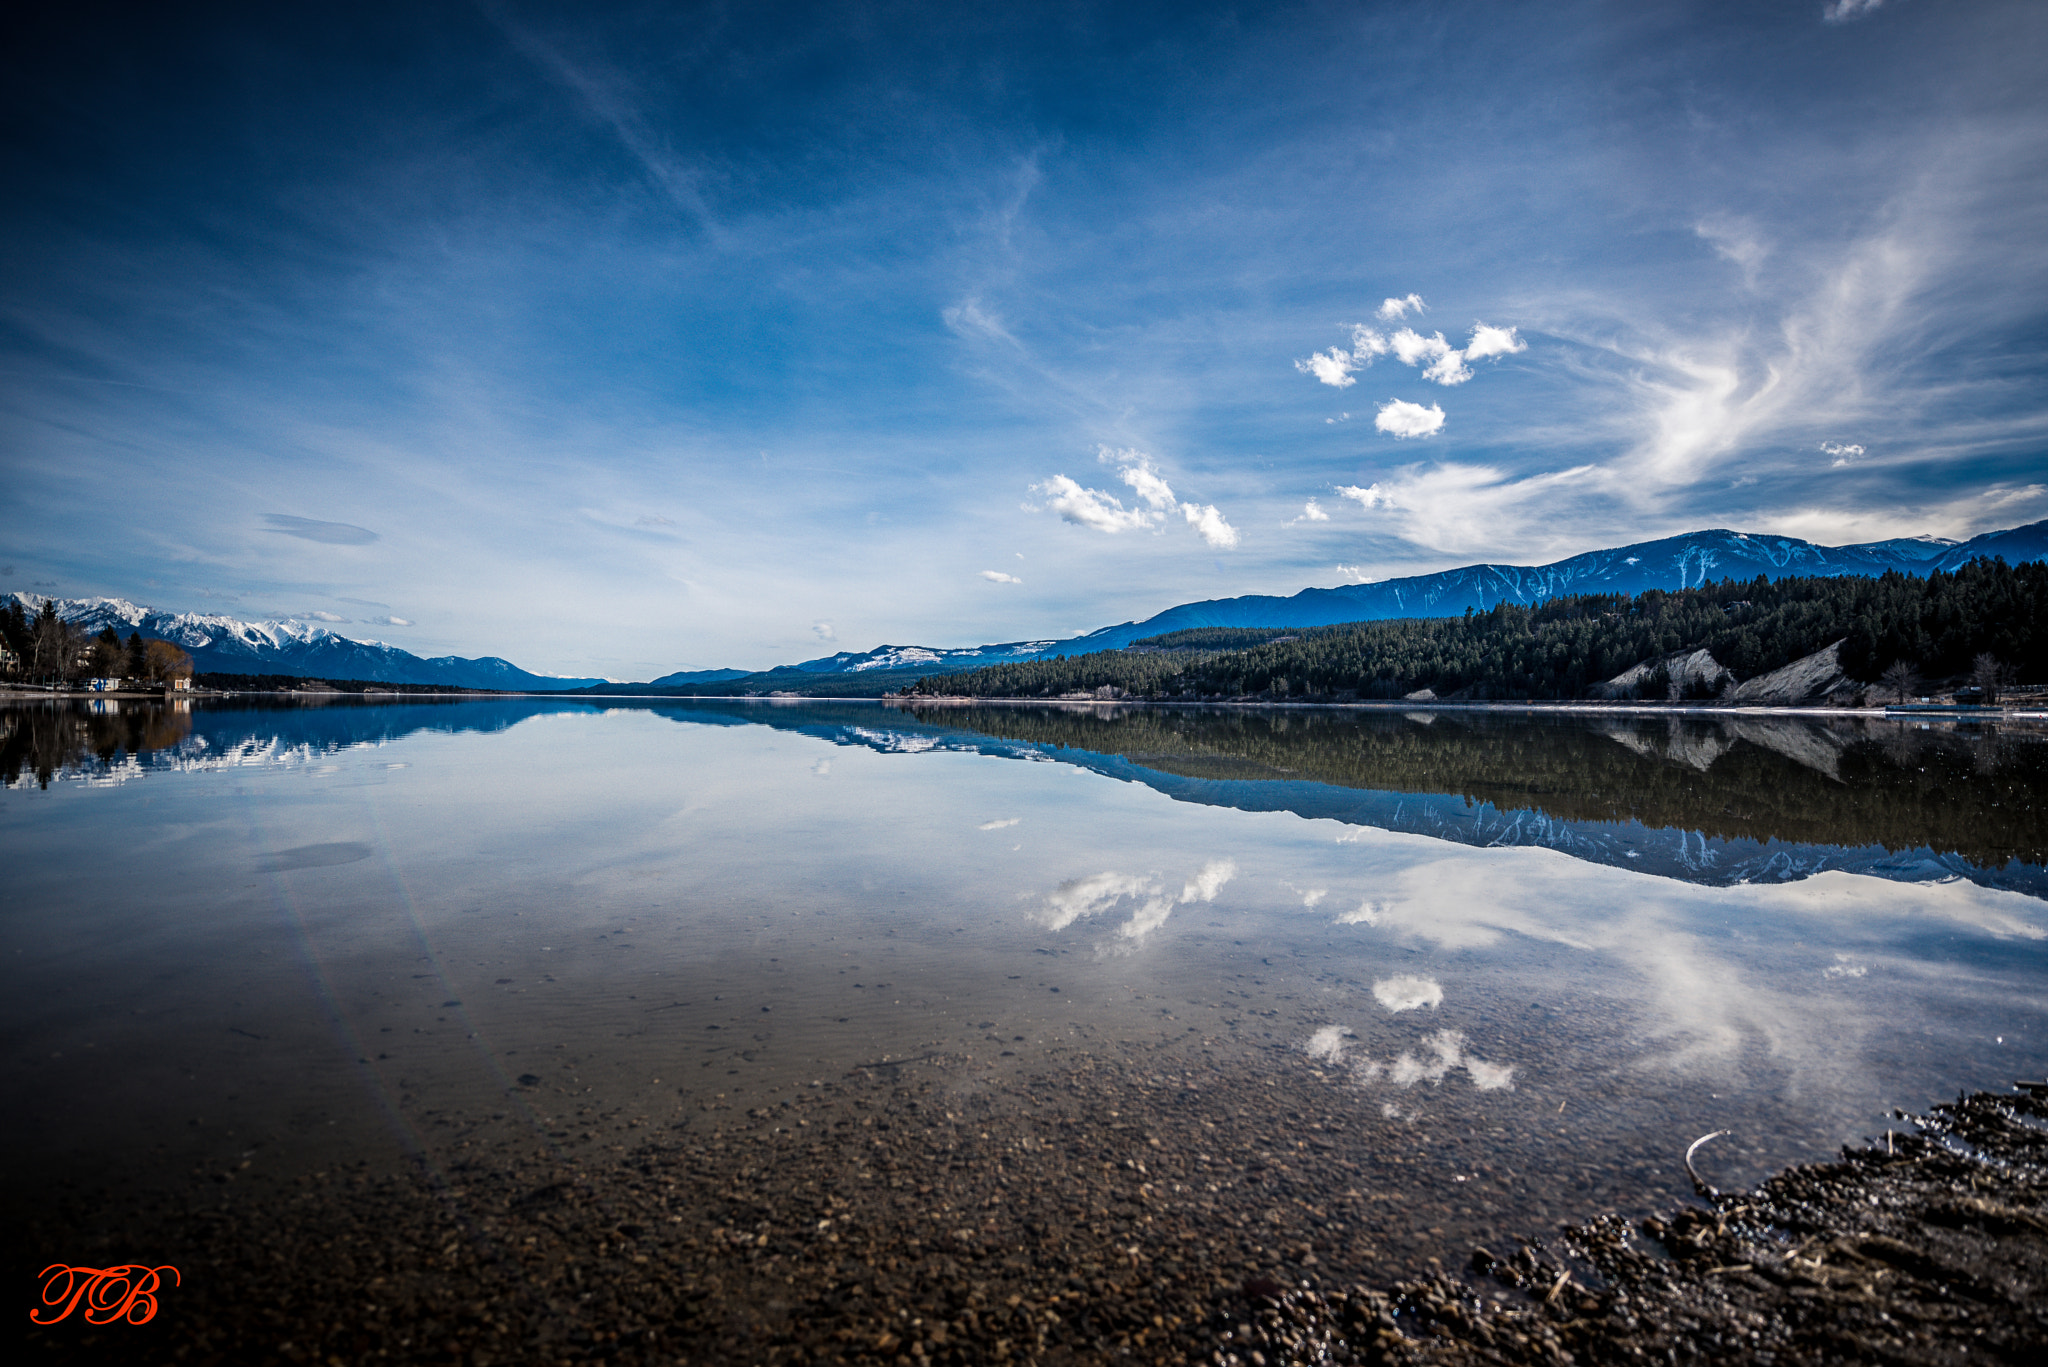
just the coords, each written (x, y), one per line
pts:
(1462, 507)
(312, 529)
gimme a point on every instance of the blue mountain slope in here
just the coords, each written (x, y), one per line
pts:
(683, 677)
(1671, 563)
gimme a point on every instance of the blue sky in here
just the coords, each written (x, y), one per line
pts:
(620, 340)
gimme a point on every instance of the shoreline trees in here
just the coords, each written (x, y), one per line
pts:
(1935, 626)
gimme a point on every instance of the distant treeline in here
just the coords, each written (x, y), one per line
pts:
(291, 683)
(1934, 626)
(1216, 638)
(771, 683)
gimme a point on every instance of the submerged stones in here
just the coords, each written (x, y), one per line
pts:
(1113, 1209)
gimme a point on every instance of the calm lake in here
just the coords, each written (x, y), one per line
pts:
(1337, 994)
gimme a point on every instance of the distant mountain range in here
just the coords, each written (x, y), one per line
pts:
(1675, 562)
(226, 645)
(288, 646)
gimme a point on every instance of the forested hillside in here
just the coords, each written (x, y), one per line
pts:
(1934, 627)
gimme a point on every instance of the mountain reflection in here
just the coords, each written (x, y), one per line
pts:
(1705, 798)
(1971, 792)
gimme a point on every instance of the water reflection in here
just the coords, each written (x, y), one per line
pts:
(1712, 799)
(368, 930)
(96, 737)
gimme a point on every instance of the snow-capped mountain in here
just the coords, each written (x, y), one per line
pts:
(925, 658)
(1670, 563)
(1674, 562)
(228, 645)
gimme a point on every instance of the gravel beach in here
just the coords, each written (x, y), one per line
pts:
(1122, 1208)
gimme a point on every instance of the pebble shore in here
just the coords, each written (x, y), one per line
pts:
(1104, 1212)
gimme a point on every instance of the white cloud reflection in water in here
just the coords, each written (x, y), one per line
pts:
(1407, 993)
(1086, 897)
(1722, 980)
(1444, 1053)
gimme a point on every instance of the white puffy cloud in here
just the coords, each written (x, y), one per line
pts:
(823, 631)
(1150, 487)
(1842, 454)
(999, 824)
(1332, 367)
(1842, 11)
(1354, 574)
(324, 617)
(1310, 512)
(1393, 310)
(1445, 364)
(1412, 348)
(1399, 418)
(998, 577)
(1209, 523)
(1364, 498)
(1491, 341)
(1091, 507)
(1106, 513)
(1449, 369)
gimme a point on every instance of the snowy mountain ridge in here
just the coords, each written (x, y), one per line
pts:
(286, 645)
(1676, 562)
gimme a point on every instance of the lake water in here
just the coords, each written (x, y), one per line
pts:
(1329, 994)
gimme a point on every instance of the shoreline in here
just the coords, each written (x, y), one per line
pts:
(893, 1216)
(1600, 707)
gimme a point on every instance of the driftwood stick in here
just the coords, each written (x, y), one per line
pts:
(1707, 1192)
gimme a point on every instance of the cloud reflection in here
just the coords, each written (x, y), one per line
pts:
(1721, 981)
(1407, 993)
(1094, 895)
(1443, 1053)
